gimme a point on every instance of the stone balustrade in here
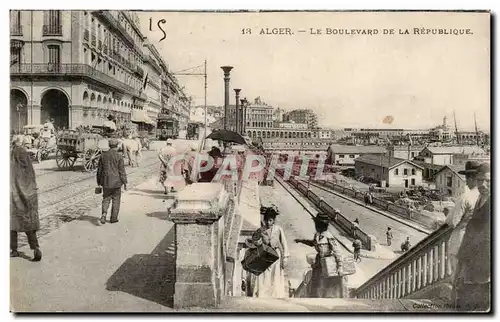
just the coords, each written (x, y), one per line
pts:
(423, 272)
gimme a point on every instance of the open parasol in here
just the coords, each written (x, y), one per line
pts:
(227, 136)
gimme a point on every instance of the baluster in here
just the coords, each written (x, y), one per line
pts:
(392, 287)
(442, 267)
(415, 274)
(448, 258)
(430, 269)
(410, 278)
(419, 276)
(424, 266)
(403, 280)
(398, 293)
(436, 263)
(380, 289)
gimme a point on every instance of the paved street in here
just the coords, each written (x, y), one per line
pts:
(67, 195)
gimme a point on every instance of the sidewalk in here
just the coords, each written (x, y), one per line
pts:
(123, 267)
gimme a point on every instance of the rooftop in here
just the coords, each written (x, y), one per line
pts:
(382, 160)
(468, 149)
(353, 149)
(455, 168)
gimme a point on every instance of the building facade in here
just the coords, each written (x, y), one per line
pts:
(293, 125)
(388, 171)
(407, 152)
(302, 116)
(76, 67)
(449, 182)
(344, 155)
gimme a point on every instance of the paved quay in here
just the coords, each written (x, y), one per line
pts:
(122, 267)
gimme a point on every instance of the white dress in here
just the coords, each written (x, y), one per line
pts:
(271, 283)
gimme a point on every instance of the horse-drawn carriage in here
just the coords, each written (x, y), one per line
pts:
(73, 145)
(38, 146)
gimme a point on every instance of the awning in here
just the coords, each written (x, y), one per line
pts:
(141, 116)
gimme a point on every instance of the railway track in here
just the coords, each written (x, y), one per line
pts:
(402, 221)
(83, 190)
(289, 189)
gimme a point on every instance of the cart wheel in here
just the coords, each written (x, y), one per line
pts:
(64, 160)
(91, 160)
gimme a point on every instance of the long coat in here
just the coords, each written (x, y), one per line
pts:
(474, 255)
(111, 170)
(23, 192)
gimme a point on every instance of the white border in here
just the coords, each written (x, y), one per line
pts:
(202, 5)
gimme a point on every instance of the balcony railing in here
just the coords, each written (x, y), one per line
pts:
(424, 265)
(93, 41)
(86, 34)
(75, 70)
(118, 27)
(52, 30)
(105, 49)
(16, 30)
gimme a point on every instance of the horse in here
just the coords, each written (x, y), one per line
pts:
(132, 147)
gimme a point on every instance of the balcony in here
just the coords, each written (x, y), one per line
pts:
(16, 30)
(86, 34)
(105, 49)
(81, 70)
(139, 71)
(115, 24)
(52, 30)
(93, 41)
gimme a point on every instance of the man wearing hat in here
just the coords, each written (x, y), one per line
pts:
(462, 211)
(472, 284)
(111, 176)
(165, 155)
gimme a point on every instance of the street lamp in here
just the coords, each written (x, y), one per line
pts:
(227, 70)
(244, 105)
(237, 110)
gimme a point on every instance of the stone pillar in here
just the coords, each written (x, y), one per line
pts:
(237, 111)
(227, 70)
(200, 245)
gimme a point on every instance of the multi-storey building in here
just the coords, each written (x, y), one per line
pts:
(259, 116)
(155, 67)
(77, 67)
(302, 116)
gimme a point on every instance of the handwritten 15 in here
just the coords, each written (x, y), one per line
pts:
(158, 23)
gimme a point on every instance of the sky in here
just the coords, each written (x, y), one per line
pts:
(348, 80)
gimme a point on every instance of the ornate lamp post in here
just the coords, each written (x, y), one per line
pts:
(237, 111)
(227, 70)
(244, 105)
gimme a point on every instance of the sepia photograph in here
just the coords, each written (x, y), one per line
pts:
(250, 161)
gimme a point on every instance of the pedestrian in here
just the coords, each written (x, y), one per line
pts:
(357, 249)
(23, 199)
(271, 283)
(472, 283)
(355, 227)
(388, 234)
(406, 245)
(165, 155)
(111, 176)
(462, 212)
(326, 246)
(189, 164)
